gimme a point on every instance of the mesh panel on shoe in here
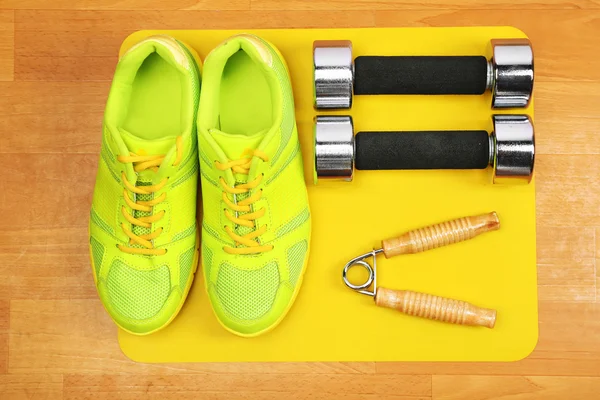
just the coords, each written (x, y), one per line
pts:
(241, 229)
(100, 222)
(294, 223)
(107, 193)
(210, 230)
(106, 157)
(136, 229)
(185, 267)
(208, 178)
(295, 259)
(287, 162)
(137, 294)
(184, 233)
(207, 257)
(97, 254)
(247, 295)
(104, 149)
(186, 176)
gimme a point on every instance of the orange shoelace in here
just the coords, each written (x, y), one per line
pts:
(142, 163)
(249, 243)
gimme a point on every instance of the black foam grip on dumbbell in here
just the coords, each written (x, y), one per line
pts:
(420, 75)
(422, 150)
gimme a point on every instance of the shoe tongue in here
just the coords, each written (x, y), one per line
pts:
(141, 146)
(233, 145)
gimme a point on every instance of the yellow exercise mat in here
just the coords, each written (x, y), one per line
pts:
(330, 322)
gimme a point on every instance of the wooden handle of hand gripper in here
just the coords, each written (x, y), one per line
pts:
(442, 234)
(434, 307)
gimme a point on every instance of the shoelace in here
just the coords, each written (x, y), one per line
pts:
(141, 163)
(249, 242)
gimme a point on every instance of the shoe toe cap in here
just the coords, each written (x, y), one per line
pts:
(139, 301)
(249, 301)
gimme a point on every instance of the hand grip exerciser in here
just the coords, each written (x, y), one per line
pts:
(422, 304)
(508, 74)
(509, 149)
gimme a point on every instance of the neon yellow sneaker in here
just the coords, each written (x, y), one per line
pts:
(143, 235)
(256, 222)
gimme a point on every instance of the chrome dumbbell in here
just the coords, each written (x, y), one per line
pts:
(509, 149)
(508, 74)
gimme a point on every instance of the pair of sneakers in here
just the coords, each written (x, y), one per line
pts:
(237, 130)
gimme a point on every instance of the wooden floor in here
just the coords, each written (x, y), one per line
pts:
(56, 341)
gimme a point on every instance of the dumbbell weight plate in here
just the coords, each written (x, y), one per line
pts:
(333, 74)
(334, 147)
(514, 148)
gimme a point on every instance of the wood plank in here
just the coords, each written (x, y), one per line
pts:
(4, 329)
(597, 240)
(567, 280)
(63, 117)
(126, 4)
(597, 260)
(45, 264)
(567, 272)
(32, 386)
(248, 386)
(86, 343)
(583, 292)
(183, 394)
(77, 23)
(565, 242)
(514, 387)
(4, 314)
(417, 4)
(566, 117)
(566, 264)
(64, 68)
(7, 45)
(562, 52)
(569, 345)
(57, 189)
(3, 353)
(568, 190)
